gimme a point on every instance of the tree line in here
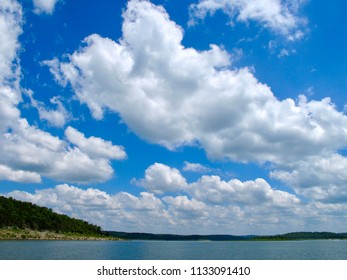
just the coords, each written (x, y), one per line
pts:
(303, 236)
(278, 237)
(26, 215)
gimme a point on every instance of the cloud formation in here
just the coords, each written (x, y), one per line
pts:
(175, 96)
(27, 153)
(10, 29)
(277, 15)
(94, 147)
(30, 149)
(20, 176)
(160, 178)
(195, 167)
(44, 6)
(172, 95)
(203, 206)
(318, 178)
(57, 117)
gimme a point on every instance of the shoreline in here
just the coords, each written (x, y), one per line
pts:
(29, 234)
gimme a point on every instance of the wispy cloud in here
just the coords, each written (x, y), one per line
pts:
(44, 6)
(279, 16)
(196, 167)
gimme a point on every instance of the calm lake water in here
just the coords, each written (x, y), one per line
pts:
(173, 250)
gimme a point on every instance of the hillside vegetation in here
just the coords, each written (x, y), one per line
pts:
(25, 215)
(304, 236)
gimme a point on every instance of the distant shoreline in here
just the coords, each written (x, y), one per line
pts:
(224, 237)
(29, 234)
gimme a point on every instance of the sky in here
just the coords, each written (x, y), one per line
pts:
(183, 117)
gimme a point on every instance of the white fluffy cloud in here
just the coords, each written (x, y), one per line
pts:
(93, 146)
(318, 178)
(10, 29)
(28, 153)
(7, 173)
(9, 113)
(68, 198)
(44, 6)
(121, 211)
(173, 96)
(210, 202)
(277, 15)
(29, 149)
(213, 190)
(160, 178)
(270, 211)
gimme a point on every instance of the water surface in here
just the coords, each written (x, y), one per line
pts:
(174, 250)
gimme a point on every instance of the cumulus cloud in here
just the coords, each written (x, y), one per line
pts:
(44, 6)
(77, 167)
(174, 96)
(210, 201)
(253, 205)
(7, 173)
(93, 146)
(126, 212)
(277, 15)
(10, 29)
(271, 211)
(320, 178)
(160, 178)
(30, 149)
(67, 198)
(9, 114)
(28, 153)
(121, 211)
(185, 209)
(213, 190)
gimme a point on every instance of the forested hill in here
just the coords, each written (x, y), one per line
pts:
(25, 215)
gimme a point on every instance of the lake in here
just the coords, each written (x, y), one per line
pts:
(174, 250)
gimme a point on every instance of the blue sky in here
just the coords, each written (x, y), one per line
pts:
(204, 116)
